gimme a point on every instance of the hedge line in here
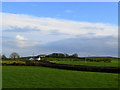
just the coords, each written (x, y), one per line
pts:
(78, 59)
(69, 66)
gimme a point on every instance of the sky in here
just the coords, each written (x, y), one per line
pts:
(86, 28)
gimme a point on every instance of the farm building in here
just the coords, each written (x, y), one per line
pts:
(35, 58)
(31, 58)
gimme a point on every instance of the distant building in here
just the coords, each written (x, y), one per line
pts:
(31, 58)
(38, 58)
(35, 58)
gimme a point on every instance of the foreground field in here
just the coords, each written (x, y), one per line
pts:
(43, 77)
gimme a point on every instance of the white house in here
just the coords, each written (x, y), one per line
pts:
(31, 59)
(38, 58)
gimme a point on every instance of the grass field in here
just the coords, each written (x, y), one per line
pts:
(111, 64)
(72, 59)
(43, 77)
(12, 61)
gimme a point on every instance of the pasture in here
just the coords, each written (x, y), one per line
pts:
(12, 61)
(81, 58)
(76, 61)
(111, 64)
(43, 77)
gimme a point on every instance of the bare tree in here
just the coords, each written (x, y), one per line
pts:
(14, 55)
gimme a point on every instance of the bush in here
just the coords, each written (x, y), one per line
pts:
(29, 63)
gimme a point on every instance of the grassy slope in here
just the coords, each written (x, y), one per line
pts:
(112, 64)
(12, 61)
(43, 77)
(0, 77)
(114, 61)
(67, 59)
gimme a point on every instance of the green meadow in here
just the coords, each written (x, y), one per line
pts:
(111, 64)
(44, 77)
(12, 61)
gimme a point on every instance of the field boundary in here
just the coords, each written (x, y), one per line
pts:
(68, 66)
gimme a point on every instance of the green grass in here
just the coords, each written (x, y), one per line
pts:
(12, 61)
(60, 59)
(72, 59)
(1, 77)
(111, 64)
(43, 77)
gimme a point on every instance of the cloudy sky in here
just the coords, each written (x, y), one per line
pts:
(89, 29)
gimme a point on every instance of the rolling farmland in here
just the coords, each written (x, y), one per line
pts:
(43, 77)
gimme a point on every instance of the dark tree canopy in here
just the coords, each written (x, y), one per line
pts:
(0, 57)
(14, 55)
(4, 57)
(74, 55)
(58, 55)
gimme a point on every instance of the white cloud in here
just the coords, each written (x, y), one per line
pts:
(46, 30)
(18, 37)
(48, 25)
(24, 42)
(37, 31)
(63, 26)
(113, 43)
(68, 11)
(27, 43)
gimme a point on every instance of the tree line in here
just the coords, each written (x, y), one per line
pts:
(15, 55)
(61, 55)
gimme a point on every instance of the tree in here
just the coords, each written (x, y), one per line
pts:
(57, 55)
(66, 55)
(0, 57)
(4, 57)
(74, 55)
(14, 55)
